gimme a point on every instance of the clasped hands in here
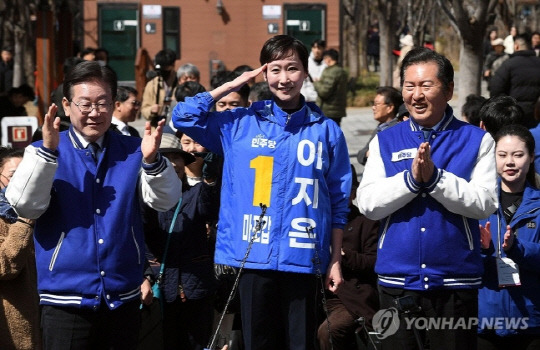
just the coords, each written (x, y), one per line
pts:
(422, 166)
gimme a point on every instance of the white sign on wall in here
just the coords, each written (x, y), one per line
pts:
(271, 11)
(151, 11)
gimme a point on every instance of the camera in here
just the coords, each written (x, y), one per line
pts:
(157, 72)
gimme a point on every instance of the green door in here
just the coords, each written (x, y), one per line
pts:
(306, 22)
(119, 35)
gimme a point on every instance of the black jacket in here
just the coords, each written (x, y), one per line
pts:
(519, 77)
(188, 261)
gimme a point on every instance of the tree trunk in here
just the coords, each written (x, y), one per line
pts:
(351, 49)
(470, 71)
(388, 23)
(386, 39)
(18, 58)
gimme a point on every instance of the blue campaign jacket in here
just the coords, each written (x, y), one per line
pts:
(520, 301)
(89, 243)
(297, 165)
(426, 242)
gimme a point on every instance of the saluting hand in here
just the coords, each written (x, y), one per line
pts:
(237, 83)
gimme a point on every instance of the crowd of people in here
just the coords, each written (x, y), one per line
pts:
(254, 175)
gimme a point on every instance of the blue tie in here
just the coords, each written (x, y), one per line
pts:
(94, 149)
(426, 132)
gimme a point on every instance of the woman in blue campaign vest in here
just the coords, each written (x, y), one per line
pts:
(285, 154)
(509, 302)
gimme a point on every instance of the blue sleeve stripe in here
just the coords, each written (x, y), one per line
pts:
(437, 174)
(413, 186)
(47, 154)
(155, 168)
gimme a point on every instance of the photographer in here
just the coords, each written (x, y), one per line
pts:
(158, 91)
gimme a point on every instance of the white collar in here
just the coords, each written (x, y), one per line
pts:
(122, 127)
(85, 143)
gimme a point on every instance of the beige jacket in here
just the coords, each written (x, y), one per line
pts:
(149, 97)
(19, 317)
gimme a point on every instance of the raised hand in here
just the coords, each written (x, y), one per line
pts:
(151, 141)
(237, 83)
(509, 236)
(485, 235)
(51, 129)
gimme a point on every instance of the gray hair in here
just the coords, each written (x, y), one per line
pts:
(188, 69)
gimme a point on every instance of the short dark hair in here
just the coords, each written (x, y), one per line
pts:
(471, 108)
(319, 42)
(101, 54)
(123, 92)
(391, 96)
(90, 71)
(260, 91)
(220, 78)
(71, 62)
(165, 58)
(9, 152)
(283, 46)
(188, 89)
(523, 41)
(424, 55)
(500, 111)
(242, 68)
(332, 53)
(24, 90)
(524, 135)
(88, 50)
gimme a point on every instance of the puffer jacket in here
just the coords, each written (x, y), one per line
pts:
(332, 91)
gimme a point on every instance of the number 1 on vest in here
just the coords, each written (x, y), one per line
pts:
(262, 188)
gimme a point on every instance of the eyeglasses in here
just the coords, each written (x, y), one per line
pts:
(86, 107)
(373, 104)
(135, 103)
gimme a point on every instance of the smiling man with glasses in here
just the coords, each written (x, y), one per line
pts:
(89, 234)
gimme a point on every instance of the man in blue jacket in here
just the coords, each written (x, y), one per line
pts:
(84, 187)
(429, 180)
